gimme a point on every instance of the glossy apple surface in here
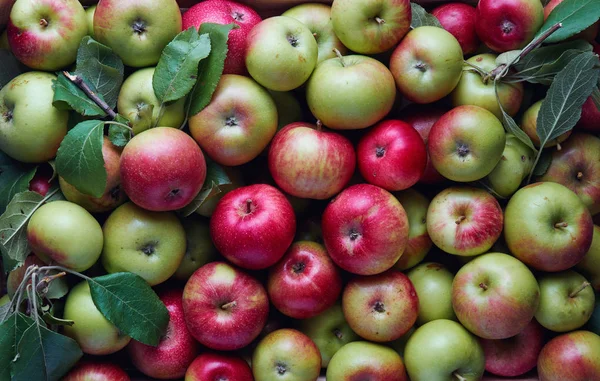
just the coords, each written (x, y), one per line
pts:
(96, 371)
(571, 356)
(433, 285)
(369, 360)
(589, 264)
(419, 243)
(459, 19)
(216, 366)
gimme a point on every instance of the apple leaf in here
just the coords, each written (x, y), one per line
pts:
(79, 158)
(575, 16)
(420, 17)
(543, 164)
(510, 125)
(596, 96)
(11, 331)
(216, 177)
(68, 96)
(53, 320)
(127, 301)
(211, 68)
(14, 178)
(10, 68)
(119, 135)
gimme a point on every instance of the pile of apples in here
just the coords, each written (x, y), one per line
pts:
(377, 222)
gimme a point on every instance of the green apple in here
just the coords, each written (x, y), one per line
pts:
(63, 232)
(433, 283)
(92, 331)
(589, 264)
(149, 244)
(415, 205)
(529, 126)
(5, 299)
(31, 128)
(514, 166)
(90, 18)
(362, 360)
(199, 249)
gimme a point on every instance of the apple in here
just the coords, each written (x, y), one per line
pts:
(224, 308)
(89, 12)
(464, 220)
(443, 350)
(566, 301)
(350, 92)
(238, 123)
(459, 19)
(590, 113)
(529, 126)
(96, 371)
(217, 366)
(137, 30)
(594, 322)
(4, 300)
(510, 24)
(589, 264)
(253, 226)
(149, 244)
(45, 34)
(514, 166)
(547, 226)
(460, 149)
(588, 34)
(427, 64)
(365, 229)
(31, 128)
(199, 249)
(40, 183)
(574, 356)
(15, 277)
(289, 109)
(433, 285)
(419, 243)
(91, 330)
(226, 12)
(308, 162)
(364, 360)
(162, 169)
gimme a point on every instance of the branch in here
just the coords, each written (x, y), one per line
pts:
(79, 82)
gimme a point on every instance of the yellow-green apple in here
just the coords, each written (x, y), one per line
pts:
(317, 17)
(466, 143)
(433, 285)
(199, 249)
(5, 299)
(365, 360)
(253, 226)
(64, 233)
(370, 27)
(89, 12)
(176, 349)
(464, 220)
(137, 30)
(162, 169)
(139, 104)
(515, 355)
(459, 19)
(573, 356)
(392, 155)
(329, 331)
(588, 34)
(149, 244)
(427, 64)
(547, 226)
(514, 166)
(415, 205)
(238, 123)
(495, 296)
(224, 308)
(218, 366)
(443, 350)
(589, 264)
(380, 307)
(96, 371)
(113, 195)
(309, 162)
(566, 301)
(226, 12)
(577, 166)
(305, 282)
(365, 229)
(529, 126)
(15, 277)
(350, 92)
(45, 34)
(92, 331)
(508, 25)
(282, 53)
(31, 128)
(474, 89)
(286, 354)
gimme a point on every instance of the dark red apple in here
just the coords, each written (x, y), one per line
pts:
(459, 19)
(40, 183)
(96, 371)
(219, 367)
(590, 116)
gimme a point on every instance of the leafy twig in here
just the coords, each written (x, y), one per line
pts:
(79, 82)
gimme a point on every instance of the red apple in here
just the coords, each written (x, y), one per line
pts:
(219, 367)
(40, 183)
(590, 115)
(459, 19)
(573, 356)
(96, 371)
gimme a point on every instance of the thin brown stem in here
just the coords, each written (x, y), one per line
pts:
(340, 56)
(319, 125)
(459, 377)
(379, 20)
(583, 286)
(79, 82)
(228, 306)
(559, 225)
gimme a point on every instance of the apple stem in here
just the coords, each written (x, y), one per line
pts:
(460, 219)
(228, 306)
(79, 82)
(319, 125)
(340, 56)
(44, 23)
(483, 286)
(379, 20)
(459, 377)
(559, 225)
(583, 286)
(558, 147)
(579, 175)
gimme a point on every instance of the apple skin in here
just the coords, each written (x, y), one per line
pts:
(45, 34)
(514, 166)
(89, 12)
(199, 249)
(5, 7)
(238, 123)
(149, 244)
(427, 64)
(365, 229)
(464, 220)
(459, 19)
(495, 296)
(226, 12)
(351, 92)
(440, 350)
(508, 25)
(96, 371)
(217, 366)
(137, 30)
(589, 264)
(175, 351)
(162, 169)
(92, 331)
(225, 308)
(590, 115)
(515, 355)
(419, 243)
(40, 183)
(365, 360)
(31, 128)
(307, 162)
(574, 356)
(433, 285)
(64, 233)
(547, 226)
(529, 126)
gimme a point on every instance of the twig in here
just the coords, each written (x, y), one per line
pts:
(79, 82)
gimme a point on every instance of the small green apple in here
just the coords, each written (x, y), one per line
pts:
(415, 205)
(90, 18)
(433, 283)
(589, 264)
(5, 299)
(514, 166)
(199, 249)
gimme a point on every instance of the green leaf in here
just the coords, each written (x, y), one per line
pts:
(128, 302)
(216, 177)
(511, 126)
(420, 17)
(11, 331)
(44, 355)
(596, 97)
(4, 311)
(543, 164)
(10, 68)
(211, 68)
(507, 58)
(142, 120)
(68, 96)
(8, 264)
(53, 320)
(177, 69)
(14, 178)
(101, 68)
(119, 135)
(79, 158)
(575, 16)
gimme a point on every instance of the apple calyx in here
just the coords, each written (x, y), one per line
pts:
(379, 20)
(579, 175)
(462, 149)
(560, 225)
(229, 306)
(293, 40)
(379, 151)
(281, 368)
(115, 192)
(149, 248)
(8, 116)
(421, 66)
(583, 286)
(231, 121)
(507, 27)
(483, 286)
(459, 377)
(354, 235)
(299, 267)
(139, 26)
(237, 16)
(340, 56)
(338, 333)
(379, 307)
